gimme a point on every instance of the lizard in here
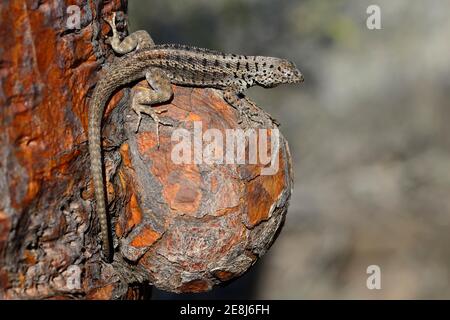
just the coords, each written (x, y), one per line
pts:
(161, 66)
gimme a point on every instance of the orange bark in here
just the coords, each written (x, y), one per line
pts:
(185, 227)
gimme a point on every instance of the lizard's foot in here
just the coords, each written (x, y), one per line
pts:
(137, 40)
(256, 114)
(249, 118)
(144, 97)
(112, 21)
(250, 115)
(148, 110)
(113, 41)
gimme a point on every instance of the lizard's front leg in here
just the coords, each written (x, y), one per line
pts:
(232, 95)
(143, 98)
(137, 40)
(258, 112)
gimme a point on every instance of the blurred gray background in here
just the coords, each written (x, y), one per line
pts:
(368, 130)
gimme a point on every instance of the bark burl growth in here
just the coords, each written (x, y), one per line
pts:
(180, 227)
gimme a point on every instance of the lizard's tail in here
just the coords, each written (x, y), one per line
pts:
(100, 97)
(124, 71)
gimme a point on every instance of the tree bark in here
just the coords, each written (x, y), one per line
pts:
(180, 227)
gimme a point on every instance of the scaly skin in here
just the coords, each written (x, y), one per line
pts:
(165, 64)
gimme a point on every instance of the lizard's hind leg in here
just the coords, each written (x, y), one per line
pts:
(143, 98)
(137, 40)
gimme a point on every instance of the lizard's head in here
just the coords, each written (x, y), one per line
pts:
(277, 71)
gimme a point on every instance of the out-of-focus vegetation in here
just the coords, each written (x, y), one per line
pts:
(369, 132)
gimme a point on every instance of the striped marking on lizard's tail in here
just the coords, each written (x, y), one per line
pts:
(95, 114)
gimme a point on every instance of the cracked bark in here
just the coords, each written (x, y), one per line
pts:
(182, 228)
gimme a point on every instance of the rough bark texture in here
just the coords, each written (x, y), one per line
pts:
(180, 227)
(191, 226)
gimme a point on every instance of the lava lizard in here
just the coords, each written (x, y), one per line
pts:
(162, 65)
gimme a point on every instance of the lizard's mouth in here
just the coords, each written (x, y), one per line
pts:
(290, 80)
(270, 85)
(297, 78)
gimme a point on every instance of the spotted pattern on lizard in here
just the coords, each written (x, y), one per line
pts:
(162, 65)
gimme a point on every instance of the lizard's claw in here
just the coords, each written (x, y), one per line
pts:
(138, 122)
(111, 21)
(275, 121)
(140, 109)
(160, 111)
(247, 118)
